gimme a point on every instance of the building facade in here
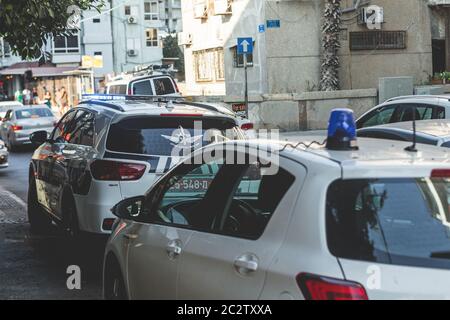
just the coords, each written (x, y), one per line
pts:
(407, 38)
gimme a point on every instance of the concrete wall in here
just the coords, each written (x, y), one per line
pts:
(306, 111)
(361, 69)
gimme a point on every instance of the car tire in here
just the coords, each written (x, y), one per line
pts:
(39, 221)
(9, 145)
(114, 286)
(71, 218)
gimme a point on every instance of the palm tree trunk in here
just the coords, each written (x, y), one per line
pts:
(330, 41)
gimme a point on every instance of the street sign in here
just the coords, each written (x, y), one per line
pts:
(261, 28)
(273, 24)
(245, 46)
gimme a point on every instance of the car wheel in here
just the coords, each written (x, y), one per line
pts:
(38, 219)
(71, 219)
(114, 284)
(9, 145)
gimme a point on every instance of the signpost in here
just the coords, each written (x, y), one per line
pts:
(245, 47)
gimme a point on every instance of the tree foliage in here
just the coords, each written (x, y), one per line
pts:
(171, 49)
(26, 24)
(330, 41)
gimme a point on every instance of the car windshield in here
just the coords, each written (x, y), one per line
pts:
(166, 136)
(33, 113)
(391, 221)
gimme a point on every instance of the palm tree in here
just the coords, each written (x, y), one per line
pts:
(330, 41)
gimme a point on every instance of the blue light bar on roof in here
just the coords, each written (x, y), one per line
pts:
(103, 97)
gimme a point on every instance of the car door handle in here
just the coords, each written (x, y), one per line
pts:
(246, 264)
(130, 236)
(173, 249)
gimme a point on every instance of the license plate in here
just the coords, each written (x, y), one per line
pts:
(191, 185)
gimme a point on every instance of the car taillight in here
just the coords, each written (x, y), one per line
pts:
(247, 126)
(16, 128)
(176, 86)
(440, 173)
(117, 171)
(322, 288)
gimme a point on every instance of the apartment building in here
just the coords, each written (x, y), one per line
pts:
(411, 40)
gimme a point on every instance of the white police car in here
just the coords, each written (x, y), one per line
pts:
(347, 220)
(110, 148)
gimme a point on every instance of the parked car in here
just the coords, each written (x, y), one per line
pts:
(367, 223)
(401, 109)
(8, 105)
(154, 84)
(3, 155)
(104, 151)
(20, 122)
(433, 132)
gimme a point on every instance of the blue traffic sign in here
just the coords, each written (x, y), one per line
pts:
(245, 46)
(273, 24)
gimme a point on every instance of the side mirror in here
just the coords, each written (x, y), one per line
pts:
(38, 137)
(130, 208)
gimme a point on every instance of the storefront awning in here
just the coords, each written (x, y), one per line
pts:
(37, 71)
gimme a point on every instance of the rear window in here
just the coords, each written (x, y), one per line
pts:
(33, 113)
(118, 89)
(390, 221)
(159, 135)
(163, 86)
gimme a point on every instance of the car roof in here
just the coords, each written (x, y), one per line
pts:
(434, 128)
(418, 98)
(10, 103)
(133, 107)
(32, 107)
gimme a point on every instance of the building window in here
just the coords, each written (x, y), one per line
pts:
(238, 59)
(6, 50)
(98, 53)
(127, 10)
(151, 37)
(209, 65)
(96, 20)
(67, 44)
(151, 11)
(377, 40)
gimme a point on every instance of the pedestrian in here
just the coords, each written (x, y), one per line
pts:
(64, 101)
(35, 95)
(18, 96)
(26, 96)
(48, 98)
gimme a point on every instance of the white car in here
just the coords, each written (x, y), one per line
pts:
(402, 109)
(155, 84)
(3, 155)
(8, 105)
(104, 151)
(367, 222)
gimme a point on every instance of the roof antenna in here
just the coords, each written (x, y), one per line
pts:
(413, 148)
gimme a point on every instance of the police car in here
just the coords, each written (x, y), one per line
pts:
(110, 148)
(349, 219)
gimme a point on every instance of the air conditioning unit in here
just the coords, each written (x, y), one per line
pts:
(371, 15)
(184, 38)
(200, 10)
(223, 7)
(132, 53)
(132, 20)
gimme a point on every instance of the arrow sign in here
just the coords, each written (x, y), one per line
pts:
(245, 46)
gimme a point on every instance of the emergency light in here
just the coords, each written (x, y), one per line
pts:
(342, 130)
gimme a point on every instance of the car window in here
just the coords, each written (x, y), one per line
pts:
(162, 136)
(254, 202)
(82, 129)
(62, 127)
(163, 86)
(33, 113)
(425, 112)
(183, 194)
(118, 89)
(391, 221)
(142, 88)
(8, 115)
(380, 116)
(440, 113)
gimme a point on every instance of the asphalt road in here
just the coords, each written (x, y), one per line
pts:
(35, 267)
